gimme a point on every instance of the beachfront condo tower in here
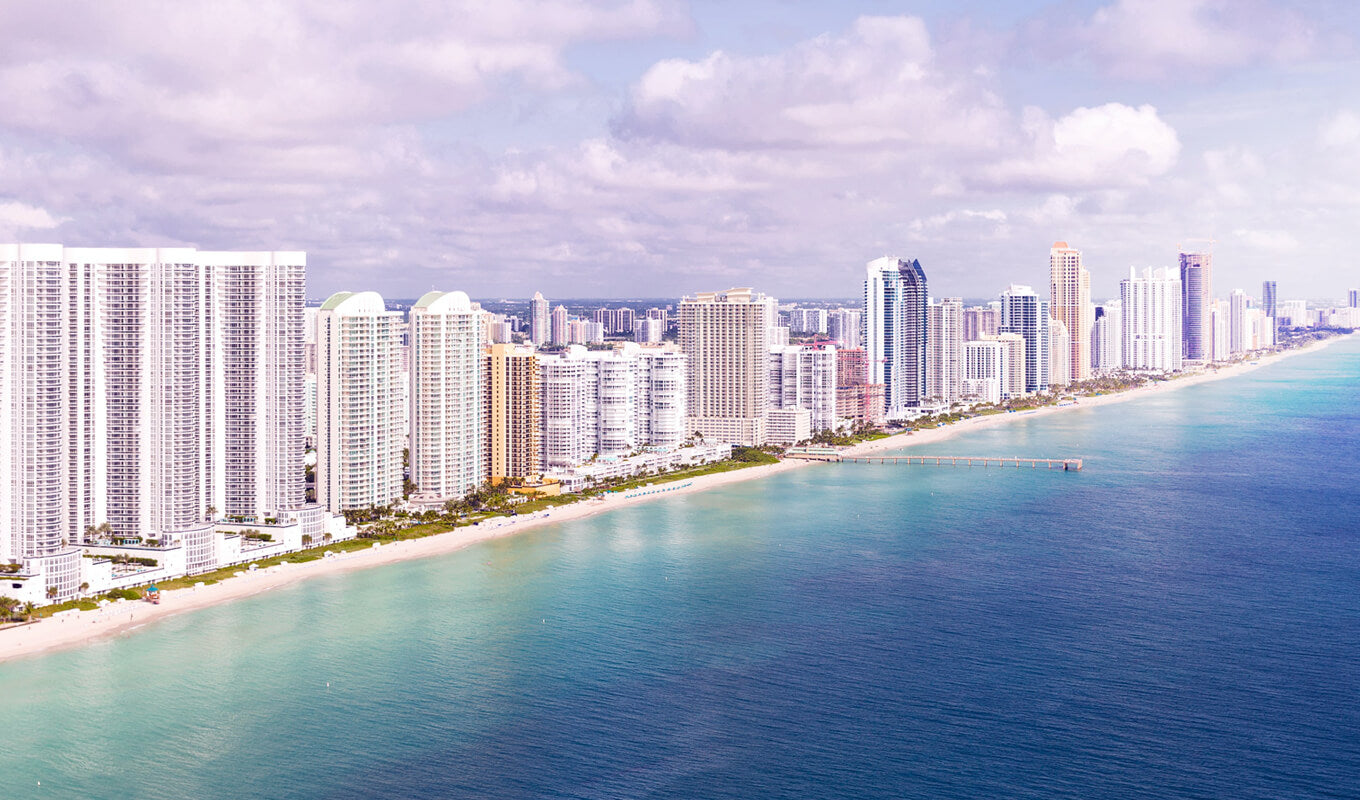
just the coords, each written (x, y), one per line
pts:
(360, 415)
(1151, 306)
(725, 337)
(944, 351)
(1197, 307)
(511, 413)
(446, 452)
(145, 392)
(1024, 313)
(895, 330)
(1071, 305)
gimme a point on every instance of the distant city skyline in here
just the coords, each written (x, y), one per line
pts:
(650, 147)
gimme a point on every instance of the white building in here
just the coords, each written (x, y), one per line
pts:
(446, 447)
(149, 389)
(1294, 313)
(994, 368)
(1239, 323)
(361, 419)
(539, 328)
(845, 327)
(789, 425)
(649, 330)
(1153, 315)
(1022, 312)
(807, 321)
(558, 331)
(1219, 316)
(1107, 335)
(609, 403)
(805, 376)
(726, 338)
(1060, 354)
(944, 351)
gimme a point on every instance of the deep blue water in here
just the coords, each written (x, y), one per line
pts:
(1181, 619)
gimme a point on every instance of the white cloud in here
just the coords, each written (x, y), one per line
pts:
(1341, 131)
(1186, 38)
(1267, 239)
(21, 216)
(876, 86)
(1111, 145)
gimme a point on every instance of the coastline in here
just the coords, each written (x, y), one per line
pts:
(75, 628)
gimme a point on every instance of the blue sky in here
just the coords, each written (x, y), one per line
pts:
(657, 147)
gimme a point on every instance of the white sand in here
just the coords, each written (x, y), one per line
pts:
(78, 627)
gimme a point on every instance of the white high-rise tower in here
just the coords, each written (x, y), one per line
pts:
(447, 456)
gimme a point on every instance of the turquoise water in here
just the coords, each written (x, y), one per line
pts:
(1181, 619)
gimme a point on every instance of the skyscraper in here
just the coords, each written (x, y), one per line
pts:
(726, 338)
(1151, 306)
(1270, 310)
(1024, 313)
(539, 330)
(559, 334)
(512, 417)
(1107, 337)
(446, 455)
(150, 389)
(1239, 323)
(1071, 298)
(944, 350)
(895, 311)
(804, 376)
(1059, 345)
(845, 327)
(1354, 299)
(980, 321)
(361, 418)
(1197, 301)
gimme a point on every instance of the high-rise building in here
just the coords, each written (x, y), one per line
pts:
(984, 370)
(1024, 313)
(808, 321)
(559, 335)
(805, 376)
(1060, 349)
(1239, 323)
(1219, 317)
(1268, 306)
(844, 326)
(1293, 313)
(1071, 305)
(648, 330)
(150, 389)
(446, 456)
(361, 420)
(1107, 332)
(726, 338)
(540, 331)
(1197, 302)
(512, 419)
(980, 321)
(1151, 306)
(1269, 309)
(895, 303)
(944, 350)
(1354, 298)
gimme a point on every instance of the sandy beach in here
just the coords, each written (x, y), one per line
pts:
(74, 628)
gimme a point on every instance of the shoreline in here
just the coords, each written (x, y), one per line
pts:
(75, 628)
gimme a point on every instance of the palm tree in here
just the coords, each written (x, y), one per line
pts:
(29, 610)
(7, 606)
(51, 593)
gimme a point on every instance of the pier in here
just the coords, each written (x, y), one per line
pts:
(1017, 462)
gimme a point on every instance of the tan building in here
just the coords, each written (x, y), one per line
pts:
(726, 338)
(1071, 285)
(513, 424)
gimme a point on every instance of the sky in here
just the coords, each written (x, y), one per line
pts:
(651, 148)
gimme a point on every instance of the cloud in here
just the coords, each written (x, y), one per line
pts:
(21, 216)
(1340, 131)
(1267, 239)
(1110, 145)
(1189, 38)
(875, 87)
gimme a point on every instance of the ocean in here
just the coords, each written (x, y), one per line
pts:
(1179, 620)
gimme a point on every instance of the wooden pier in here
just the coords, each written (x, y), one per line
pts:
(1066, 464)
